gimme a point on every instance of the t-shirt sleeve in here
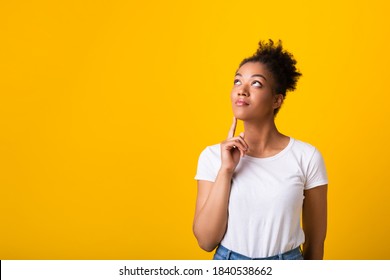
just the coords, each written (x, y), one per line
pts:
(316, 172)
(207, 166)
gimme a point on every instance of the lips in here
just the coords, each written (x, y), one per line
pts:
(241, 102)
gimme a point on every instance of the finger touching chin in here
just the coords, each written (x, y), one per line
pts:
(240, 116)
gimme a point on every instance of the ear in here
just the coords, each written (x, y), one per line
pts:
(278, 101)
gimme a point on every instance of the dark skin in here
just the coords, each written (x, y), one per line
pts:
(254, 101)
(314, 220)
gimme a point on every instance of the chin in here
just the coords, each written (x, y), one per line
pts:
(241, 117)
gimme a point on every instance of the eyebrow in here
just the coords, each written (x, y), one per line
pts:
(254, 75)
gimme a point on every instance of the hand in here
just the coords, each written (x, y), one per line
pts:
(232, 149)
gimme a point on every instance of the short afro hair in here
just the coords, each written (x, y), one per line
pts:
(280, 63)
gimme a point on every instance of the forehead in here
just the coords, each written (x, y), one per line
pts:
(253, 68)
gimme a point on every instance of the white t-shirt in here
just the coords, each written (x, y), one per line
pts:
(266, 197)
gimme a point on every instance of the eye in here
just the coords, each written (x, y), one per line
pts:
(257, 84)
(237, 82)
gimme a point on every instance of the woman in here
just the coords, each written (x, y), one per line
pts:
(253, 188)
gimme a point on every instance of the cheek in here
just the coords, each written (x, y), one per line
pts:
(232, 94)
(262, 98)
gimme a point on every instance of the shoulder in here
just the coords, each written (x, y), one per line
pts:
(210, 155)
(212, 151)
(312, 164)
(306, 154)
(209, 163)
(303, 146)
(304, 149)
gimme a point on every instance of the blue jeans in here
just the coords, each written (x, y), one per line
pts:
(223, 253)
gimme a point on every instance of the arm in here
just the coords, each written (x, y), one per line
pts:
(314, 219)
(211, 213)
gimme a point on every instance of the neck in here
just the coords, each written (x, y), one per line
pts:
(262, 137)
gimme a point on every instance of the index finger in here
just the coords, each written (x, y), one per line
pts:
(232, 128)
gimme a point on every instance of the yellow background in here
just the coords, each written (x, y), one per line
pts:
(106, 105)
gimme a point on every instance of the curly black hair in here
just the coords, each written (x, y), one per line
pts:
(280, 63)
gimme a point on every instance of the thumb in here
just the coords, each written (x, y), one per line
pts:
(242, 135)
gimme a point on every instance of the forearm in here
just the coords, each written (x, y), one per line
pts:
(313, 251)
(211, 221)
(314, 220)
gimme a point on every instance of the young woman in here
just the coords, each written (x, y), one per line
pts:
(253, 188)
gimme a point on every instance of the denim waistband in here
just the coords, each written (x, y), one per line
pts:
(223, 253)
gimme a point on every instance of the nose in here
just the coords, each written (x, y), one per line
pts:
(243, 91)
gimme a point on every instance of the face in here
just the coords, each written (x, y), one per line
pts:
(253, 96)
